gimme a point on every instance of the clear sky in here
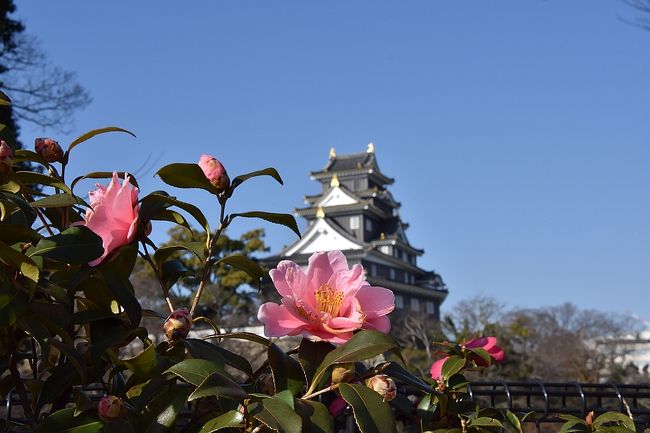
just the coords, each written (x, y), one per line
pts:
(518, 131)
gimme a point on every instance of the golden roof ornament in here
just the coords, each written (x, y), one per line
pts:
(335, 181)
(371, 147)
(332, 153)
(320, 213)
(382, 236)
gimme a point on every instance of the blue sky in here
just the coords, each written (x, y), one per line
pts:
(517, 131)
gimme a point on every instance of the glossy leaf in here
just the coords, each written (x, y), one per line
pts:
(76, 245)
(205, 350)
(124, 293)
(230, 419)
(195, 371)
(29, 177)
(144, 363)
(13, 233)
(396, 371)
(452, 365)
(219, 385)
(277, 415)
(270, 171)
(163, 253)
(371, 413)
(172, 217)
(64, 421)
(172, 271)
(94, 132)
(485, 421)
(249, 336)
(58, 200)
(363, 345)
(287, 373)
(189, 208)
(183, 175)
(166, 408)
(20, 261)
(514, 421)
(613, 417)
(284, 219)
(311, 354)
(315, 416)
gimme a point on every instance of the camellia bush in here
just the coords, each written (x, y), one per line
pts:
(67, 310)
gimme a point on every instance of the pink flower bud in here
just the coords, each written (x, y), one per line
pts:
(343, 373)
(383, 385)
(215, 172)
(49, 149)
(111, 408)
(6, 159)
(178, 324)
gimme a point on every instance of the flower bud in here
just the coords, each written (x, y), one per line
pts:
(49, 149)
(589, 419)
(215, 172)
(343, 373)
(383, 385)
(178, 324)
(6, 159)
(111, 408)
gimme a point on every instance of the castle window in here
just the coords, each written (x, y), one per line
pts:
(354, 222)
(391, 273)
(430, 307)
(386, 249)
(399, 301)
(368, 222)
(373, 269)
(415, 304)
(406, 277)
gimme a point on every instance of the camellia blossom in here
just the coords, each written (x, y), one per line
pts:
(489, 344)
(113, 214)
(328, 301)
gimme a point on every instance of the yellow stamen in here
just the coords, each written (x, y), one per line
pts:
(329, 300)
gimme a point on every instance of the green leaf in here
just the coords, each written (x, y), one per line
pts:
(311, 354)
(452, 365)
(94, 132)
(245, 264)
(372, 414)
(276, 415)
(485, 421)
(13, 233)
(20, 261)
(64, 421)
(75, 245)
(144, 363)
(195, 371)
(514, 421)
(396, 371)
(615, 417)
(287, 373)
(249, 336)
(189, 208)
(58, 200)
(29, 177)
(571, 426)
(270, 171)
(363, 345)
(172, 217)
(4, 99)
(21, 155)
(61, 377)
(284, 219)
(230, 419)
(124, 293)
(72, 355)
(218, 384)
(171, 271)
(166, 408)
(183, 175)
(315, 416)
(163, 253)
(205, 350)
(118, 426)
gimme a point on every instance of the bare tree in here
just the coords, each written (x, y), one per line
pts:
(41, 93)
(643, 6)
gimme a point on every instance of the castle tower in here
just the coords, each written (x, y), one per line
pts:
(356, 213)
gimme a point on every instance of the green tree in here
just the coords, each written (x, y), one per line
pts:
(230, 298)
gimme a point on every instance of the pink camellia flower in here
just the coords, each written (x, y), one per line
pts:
(214, 171)
(383, 385)
(489, 344)
(6, 159)
(113, 214)
(326, 302)
(436, 368)
(110, 408)
(178, 324)
(49, 149)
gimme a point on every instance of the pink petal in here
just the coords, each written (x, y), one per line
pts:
(381, 324)
(287, 276)
(278, 321)
(375, 301)
(436, 368)
(323, 264)
(497, 354)
(348, 281)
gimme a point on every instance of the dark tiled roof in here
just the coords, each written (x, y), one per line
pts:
(351, 162)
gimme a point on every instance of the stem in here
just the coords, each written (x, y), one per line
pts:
(40, 215)
(322, 391)
(223, 223)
